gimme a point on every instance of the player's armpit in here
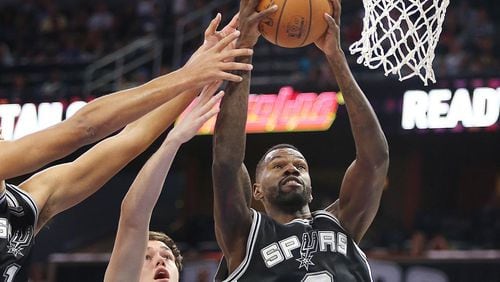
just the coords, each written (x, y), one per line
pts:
(333, 208)
(55, 193)
(61, 187)
(360, 197)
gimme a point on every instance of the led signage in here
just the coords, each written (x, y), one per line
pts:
(442, 108)
(287, 111)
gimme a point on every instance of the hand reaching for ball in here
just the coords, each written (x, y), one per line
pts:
(297, 23)
(329, 42)
(249, 22)
(213, 36)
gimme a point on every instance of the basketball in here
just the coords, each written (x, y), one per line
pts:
(296, 23)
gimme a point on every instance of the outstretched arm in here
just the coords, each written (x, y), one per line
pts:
(54, 194)
(363, 182)
(231, 212)
(60, 187)
(131, 240)
(107, 114)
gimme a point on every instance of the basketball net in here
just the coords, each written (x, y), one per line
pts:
(401, 35)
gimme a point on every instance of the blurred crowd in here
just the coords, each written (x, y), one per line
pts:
(469, 41)
(45, 44)
(48, 32)
(55, 33)
(440, 230)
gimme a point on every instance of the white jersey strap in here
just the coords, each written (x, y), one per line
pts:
(251, 239)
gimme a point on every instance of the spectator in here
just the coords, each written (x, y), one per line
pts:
(101, 19)
(455, 59)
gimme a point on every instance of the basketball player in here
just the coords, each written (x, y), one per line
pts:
(289, 242)
(25, 209)
(137, 255)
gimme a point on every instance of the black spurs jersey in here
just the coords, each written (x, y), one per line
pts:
(312, 250)
(18, 216)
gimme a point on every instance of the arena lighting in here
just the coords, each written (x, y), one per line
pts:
(442, 109)
(30, 120)
(287, 111)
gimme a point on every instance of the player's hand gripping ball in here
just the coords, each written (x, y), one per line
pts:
(296, 23)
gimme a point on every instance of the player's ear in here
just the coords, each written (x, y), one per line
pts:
(257, 191)
(310, 195)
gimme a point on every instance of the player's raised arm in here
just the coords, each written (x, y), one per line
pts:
(231, 186)
(363, 182)
(107, 114)
(54, 194)
(131, 240)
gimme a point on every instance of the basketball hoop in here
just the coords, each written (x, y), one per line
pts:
(401, 36)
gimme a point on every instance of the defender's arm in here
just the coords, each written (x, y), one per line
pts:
(107, 114)
(137, 206)
(63, 186)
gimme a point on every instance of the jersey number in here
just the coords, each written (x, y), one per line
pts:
(10, 272)
(322, 276)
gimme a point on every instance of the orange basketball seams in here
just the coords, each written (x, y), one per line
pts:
(296, 23)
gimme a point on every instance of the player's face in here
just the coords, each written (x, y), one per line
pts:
(159, 264)
(285, 179)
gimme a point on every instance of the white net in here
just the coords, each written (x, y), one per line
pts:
(401, 36)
